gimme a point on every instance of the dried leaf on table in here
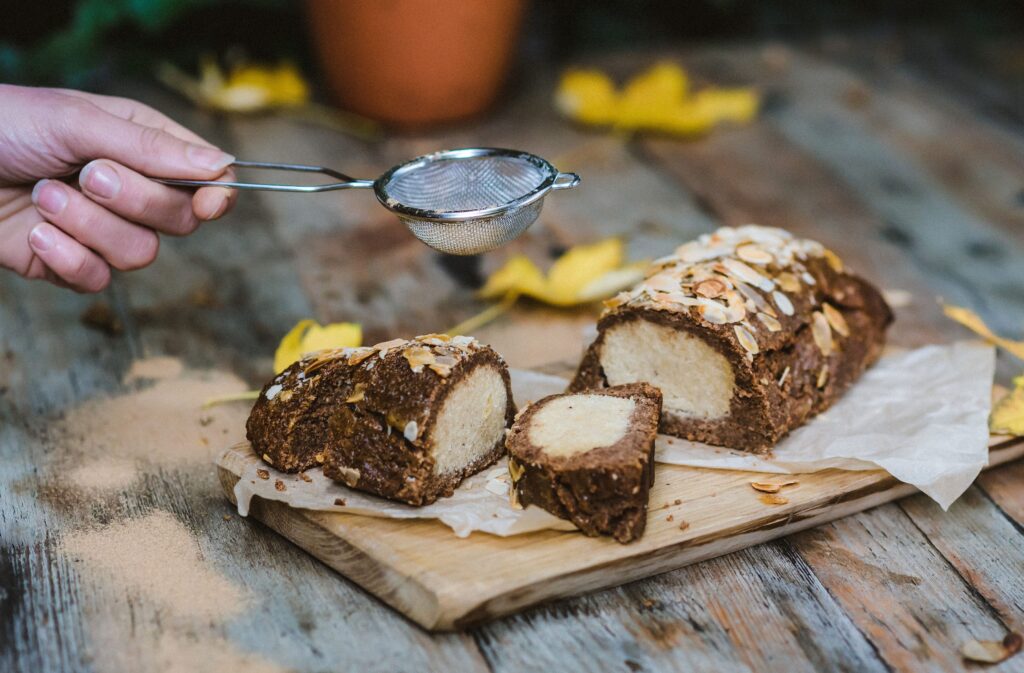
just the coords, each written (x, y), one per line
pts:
(308, 336)
(658, 99)
(583, 274)
(973, 322)
(1008, 414)
(245, 88)
(992, 651)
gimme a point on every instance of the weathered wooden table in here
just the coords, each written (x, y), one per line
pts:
(911, 168)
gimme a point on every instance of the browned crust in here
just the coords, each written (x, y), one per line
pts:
(762, 411)
(351, 417)
(603, 491)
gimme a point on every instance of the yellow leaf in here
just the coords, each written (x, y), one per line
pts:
(734, 105)
(971, 321)
(575, 277)
(658, 99)
(587, 96)
(1008, 414)
(247, 88)
(308, 336)
(648, 96)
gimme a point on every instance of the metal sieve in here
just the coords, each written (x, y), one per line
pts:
(461, 202)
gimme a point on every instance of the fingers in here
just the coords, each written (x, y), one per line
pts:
(139, 199)
(123, 245)
(69, 261)
(93, 133)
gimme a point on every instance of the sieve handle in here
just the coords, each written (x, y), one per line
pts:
(345, 182)
(565, 181)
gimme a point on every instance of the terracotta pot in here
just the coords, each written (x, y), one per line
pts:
(415, 62)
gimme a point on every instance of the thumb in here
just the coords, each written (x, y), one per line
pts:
(97, 134)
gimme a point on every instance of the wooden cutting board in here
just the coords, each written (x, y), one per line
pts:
(443, 582)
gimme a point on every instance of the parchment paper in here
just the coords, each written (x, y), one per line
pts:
(921, 415)
(480, 503)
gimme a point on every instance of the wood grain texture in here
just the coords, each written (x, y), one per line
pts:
(222, 298)
(756, 610)
(442, 582)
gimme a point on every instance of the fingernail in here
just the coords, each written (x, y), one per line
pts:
(49, 197)
(99, 179)
(222, 208)
(41, 238)
(208, 158)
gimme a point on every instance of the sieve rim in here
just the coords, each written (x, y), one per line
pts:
(454, 216)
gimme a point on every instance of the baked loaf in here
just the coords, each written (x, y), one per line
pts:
(748, 332)
(404, 419)
(588, 458)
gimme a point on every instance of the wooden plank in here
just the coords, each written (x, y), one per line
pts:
(902, 595)
(984, 547)
(976, 160)
(1003, 486)
(748, 611)
(932, 228)
(442, 582)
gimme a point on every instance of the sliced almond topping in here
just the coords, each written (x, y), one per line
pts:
(359, 356)
(835, 319)
(662, 282)
(822, 377)
(821, 332)
(713, 313)
(783, 302)
(788, 282)
(771, 323)
(388, 345)
(710, 288)
(617, 300)
(411, 431)
(773, 499)
(358, 393)
(746, 340)
(515, 470)
(772, 486)
(833, 260)
(747, 275)
(754, 254)
(418, 356)
(782, 379)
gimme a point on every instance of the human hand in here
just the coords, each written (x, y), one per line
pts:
(72, 234)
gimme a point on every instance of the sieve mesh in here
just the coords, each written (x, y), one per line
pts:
(468, 183)
(470, 237)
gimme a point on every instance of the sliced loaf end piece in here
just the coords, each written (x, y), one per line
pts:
(589, 457)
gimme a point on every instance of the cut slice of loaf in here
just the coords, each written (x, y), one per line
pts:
(405, 419)
(748, 332)
(588, 458)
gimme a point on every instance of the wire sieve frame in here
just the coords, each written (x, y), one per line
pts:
(553, 180)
